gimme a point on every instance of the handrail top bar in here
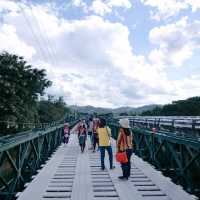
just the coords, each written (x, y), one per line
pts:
(30, 136)
(177, 117)
(23, 137)
(191, 122)
(166, 136)
(162, 118)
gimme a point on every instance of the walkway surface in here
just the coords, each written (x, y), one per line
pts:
(70, 174)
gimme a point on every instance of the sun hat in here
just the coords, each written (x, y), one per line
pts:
(124, 123)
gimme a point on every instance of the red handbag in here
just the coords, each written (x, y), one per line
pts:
(121, 157)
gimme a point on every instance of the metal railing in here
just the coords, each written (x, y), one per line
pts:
(186, 126)
(23, 155)
(176, 156)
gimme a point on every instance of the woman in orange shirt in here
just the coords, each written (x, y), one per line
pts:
(124, 144)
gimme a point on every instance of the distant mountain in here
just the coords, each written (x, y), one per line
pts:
(134, 109)
(147, 107)
(91, 109)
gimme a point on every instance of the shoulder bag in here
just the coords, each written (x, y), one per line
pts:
(121, 157)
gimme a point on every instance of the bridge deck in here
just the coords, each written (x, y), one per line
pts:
(69, 174)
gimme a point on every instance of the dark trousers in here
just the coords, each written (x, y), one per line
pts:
(126, 167)
(65, 140)
(82, 139)
(82, 147)
(95, 142)
(110, 154)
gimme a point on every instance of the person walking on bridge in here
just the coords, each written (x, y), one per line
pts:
(82, 137)
(79, 127)
(95, 137)
(104, 134)
(66, 131)
(90, 130)
(124, 144)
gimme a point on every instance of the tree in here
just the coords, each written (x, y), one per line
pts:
(52, 110)
(188, 107)
(20, 86)
(123, 114)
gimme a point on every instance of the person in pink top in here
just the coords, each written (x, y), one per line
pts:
(82, 137)
(78, 128)
(66, 132)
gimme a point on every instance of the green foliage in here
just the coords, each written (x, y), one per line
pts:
(188, 107)
(123, 114)
(52, 109)
(106, 116)
(155, 112)
(20, 86)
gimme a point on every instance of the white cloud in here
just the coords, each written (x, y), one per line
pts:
(11, 42)
(101, 7)
(80, 3)
(119, 3)
(164, 9)
(195, 5)
(176, 42)
(8, 5)
(96, 62)
(187, 87)
(82, 48)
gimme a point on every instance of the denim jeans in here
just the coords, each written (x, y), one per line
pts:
(110, 154)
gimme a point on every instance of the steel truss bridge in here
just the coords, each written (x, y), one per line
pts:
(23, 155)
(171, 144)
(38, 158)
(188, 126)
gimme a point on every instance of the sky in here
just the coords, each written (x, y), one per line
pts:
(108, 53)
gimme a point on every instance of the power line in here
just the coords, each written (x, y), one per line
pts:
(35, 37)
(49, 42)
(50, 51)
(44, 39)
